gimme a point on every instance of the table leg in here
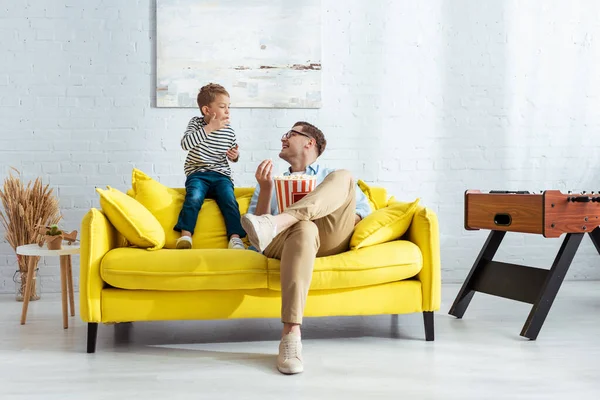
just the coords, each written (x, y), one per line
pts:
(536, 286)
(27, 295)
(552, 283)
(70, 282)
(487, 253)
(63, 286)
(595, 236)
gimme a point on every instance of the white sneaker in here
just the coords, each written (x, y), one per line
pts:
(261, 230)
(236, 243)
(184, 242)
(289, 360)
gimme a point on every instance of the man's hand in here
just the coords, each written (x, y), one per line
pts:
(233, 154)
(264, 175)
(214, 124)
(357, 219)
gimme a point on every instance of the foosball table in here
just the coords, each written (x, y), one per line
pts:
(549, 213)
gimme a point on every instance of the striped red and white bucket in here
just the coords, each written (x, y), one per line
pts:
(291, 189)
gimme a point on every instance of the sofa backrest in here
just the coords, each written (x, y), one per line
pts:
(165, 204)
(210, 228)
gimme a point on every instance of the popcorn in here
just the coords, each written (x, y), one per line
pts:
(292, 188)
(295, 177)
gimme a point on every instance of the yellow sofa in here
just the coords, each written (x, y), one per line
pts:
(120, 283)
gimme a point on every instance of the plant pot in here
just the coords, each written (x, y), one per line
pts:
(54, 242)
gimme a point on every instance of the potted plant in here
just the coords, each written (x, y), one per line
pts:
(51, 230)
(54, 238)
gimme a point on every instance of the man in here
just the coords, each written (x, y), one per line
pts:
(321, 224)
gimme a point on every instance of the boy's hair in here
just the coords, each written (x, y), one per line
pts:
(314, 133)
(208, 93)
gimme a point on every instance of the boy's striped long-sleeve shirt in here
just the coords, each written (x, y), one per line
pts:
(206, 152)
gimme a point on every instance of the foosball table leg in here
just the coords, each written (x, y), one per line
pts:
(595, 236)
(535, 286)
(468, 288)
(550, 288)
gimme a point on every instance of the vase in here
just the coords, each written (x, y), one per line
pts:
(20, 279)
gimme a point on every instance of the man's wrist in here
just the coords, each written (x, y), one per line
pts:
(266, 186)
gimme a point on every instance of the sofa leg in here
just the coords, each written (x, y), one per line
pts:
(92, 334)
(429, 329)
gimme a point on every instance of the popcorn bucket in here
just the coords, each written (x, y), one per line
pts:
(292, 188)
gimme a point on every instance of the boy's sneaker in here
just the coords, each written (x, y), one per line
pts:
(236, 243)
(289, 360)
(184, 242)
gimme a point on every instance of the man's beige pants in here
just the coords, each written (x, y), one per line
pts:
(326, 222)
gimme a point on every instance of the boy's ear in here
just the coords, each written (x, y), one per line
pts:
(204, 110)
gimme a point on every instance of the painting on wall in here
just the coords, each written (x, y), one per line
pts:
(267, 53)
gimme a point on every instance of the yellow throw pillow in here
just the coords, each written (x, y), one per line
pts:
(386, 224)
(132, 219)
(366, 189)
(377, 196)
(165, 204)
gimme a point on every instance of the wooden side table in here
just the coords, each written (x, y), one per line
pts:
(66, 275)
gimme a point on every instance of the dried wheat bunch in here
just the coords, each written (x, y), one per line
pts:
(24, 209)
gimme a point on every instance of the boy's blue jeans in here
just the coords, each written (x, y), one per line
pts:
(201, 185)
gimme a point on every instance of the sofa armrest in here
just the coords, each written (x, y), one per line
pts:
(424, 232)
(98, 236)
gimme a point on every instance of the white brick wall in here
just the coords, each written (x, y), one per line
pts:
(425, 98)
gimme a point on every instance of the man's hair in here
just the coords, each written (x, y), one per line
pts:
(314, 133)
(208, 94)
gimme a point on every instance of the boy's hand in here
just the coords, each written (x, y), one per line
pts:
(264, 175)
(233, 153)
(214, 124)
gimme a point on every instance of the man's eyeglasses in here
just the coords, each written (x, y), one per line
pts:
(292, 132)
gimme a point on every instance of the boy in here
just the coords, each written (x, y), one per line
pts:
(210, 142)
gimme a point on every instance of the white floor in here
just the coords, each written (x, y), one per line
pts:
(479, 357)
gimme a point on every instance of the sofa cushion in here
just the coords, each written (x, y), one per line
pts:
(376, 195)
(387, 262)
(174, 270)
(384, 225)
(131, 219)
(165, 204)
